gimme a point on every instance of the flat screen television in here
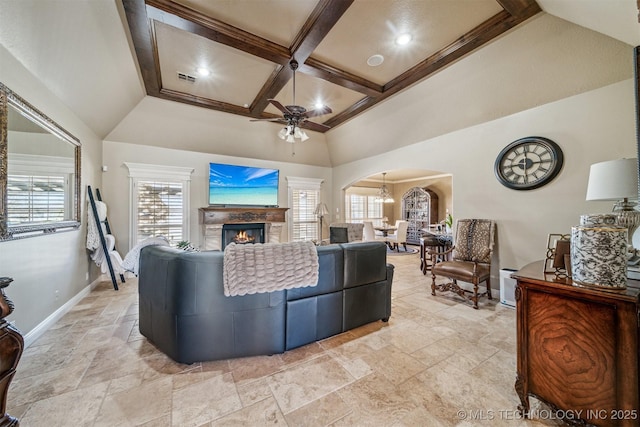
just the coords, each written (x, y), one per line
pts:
(231, 185)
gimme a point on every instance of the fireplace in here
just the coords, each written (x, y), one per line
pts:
(242, 233)
(214, 221)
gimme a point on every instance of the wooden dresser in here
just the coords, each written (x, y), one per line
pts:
(578, 349)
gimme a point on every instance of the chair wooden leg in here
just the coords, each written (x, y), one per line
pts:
(474, 298)
(433, 283)
(405, 246)
(488, 282)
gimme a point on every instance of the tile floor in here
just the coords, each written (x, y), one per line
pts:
(437, 362)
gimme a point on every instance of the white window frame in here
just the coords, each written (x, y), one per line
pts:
(363, 192)
(302, 184)
(38, 165)
(142, 172)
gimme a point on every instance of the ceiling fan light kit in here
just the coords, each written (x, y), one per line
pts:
(293, 116)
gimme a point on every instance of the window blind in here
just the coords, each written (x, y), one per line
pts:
(35, 198)
(305, 222)
(160, 210)
(362, 207)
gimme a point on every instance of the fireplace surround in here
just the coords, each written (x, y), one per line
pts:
(213, 219)
(242, 233)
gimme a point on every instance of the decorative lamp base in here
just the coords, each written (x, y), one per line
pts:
(627, 216)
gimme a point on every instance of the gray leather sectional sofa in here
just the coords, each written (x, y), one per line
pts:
(184, 312)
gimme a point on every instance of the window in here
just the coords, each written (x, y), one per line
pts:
(304, 196)
(361, 205)
(39, 189)
(159, 202)
(35, 198)
(160, 211)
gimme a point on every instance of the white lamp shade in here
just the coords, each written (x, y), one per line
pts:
(321, 209)
(613, 180)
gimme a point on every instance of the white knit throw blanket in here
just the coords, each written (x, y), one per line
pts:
(253, 268)
(93, 238)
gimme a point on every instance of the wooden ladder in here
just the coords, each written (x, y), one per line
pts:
(103, 241)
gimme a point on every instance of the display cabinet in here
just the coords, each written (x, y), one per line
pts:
(419, 208)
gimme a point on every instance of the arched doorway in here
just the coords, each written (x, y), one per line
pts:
(360, 197)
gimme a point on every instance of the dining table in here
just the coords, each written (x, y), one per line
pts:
(385, 230)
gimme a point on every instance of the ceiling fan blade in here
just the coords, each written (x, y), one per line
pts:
(269, 120)
(318, 127)
(279, 106)
(319, 112)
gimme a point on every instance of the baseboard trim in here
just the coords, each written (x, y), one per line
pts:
(42, 327)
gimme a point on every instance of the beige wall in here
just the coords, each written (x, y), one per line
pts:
(115, 182)
(591, 127)
(48, 270)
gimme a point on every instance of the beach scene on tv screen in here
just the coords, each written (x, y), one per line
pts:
(242, 185)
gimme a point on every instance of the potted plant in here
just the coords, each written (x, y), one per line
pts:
(448, 222)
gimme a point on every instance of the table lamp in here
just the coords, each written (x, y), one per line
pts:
(617, 180)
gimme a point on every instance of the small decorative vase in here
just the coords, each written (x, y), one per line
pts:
(598, 253)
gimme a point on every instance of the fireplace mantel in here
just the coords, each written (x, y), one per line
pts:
(213, 218)
(235, 215)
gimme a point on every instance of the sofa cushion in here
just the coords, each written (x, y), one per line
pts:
(331, 264)
(364, 262)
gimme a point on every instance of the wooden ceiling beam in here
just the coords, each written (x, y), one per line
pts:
(519, 8)
(319, 69)
(324, 16)
(140, 15)
(143, 42)
(184, 18)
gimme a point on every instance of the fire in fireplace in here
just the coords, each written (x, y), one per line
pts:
(243, 237)
(242, 233)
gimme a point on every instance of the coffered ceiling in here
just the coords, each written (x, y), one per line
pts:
(247, 46)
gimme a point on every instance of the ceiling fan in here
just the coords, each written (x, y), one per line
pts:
(294, 115)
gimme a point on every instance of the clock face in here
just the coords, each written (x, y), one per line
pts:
(528, 163)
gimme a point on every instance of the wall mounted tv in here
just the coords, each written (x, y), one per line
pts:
(233, 185)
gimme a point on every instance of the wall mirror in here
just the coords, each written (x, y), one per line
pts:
(39, 171)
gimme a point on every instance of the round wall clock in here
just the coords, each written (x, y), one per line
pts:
(528, 163)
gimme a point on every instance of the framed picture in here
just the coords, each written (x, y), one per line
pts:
(557, 259)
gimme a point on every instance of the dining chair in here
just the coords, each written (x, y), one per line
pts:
(393, 232)
(368, 232)
(400, 237)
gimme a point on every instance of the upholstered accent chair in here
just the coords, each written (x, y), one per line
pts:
(354, 232)
(470, 260)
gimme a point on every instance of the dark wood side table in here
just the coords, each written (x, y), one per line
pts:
(578, 349)
(11, 346)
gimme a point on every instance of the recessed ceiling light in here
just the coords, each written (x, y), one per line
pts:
(375, 60)
(203, 71)
(403, 39)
